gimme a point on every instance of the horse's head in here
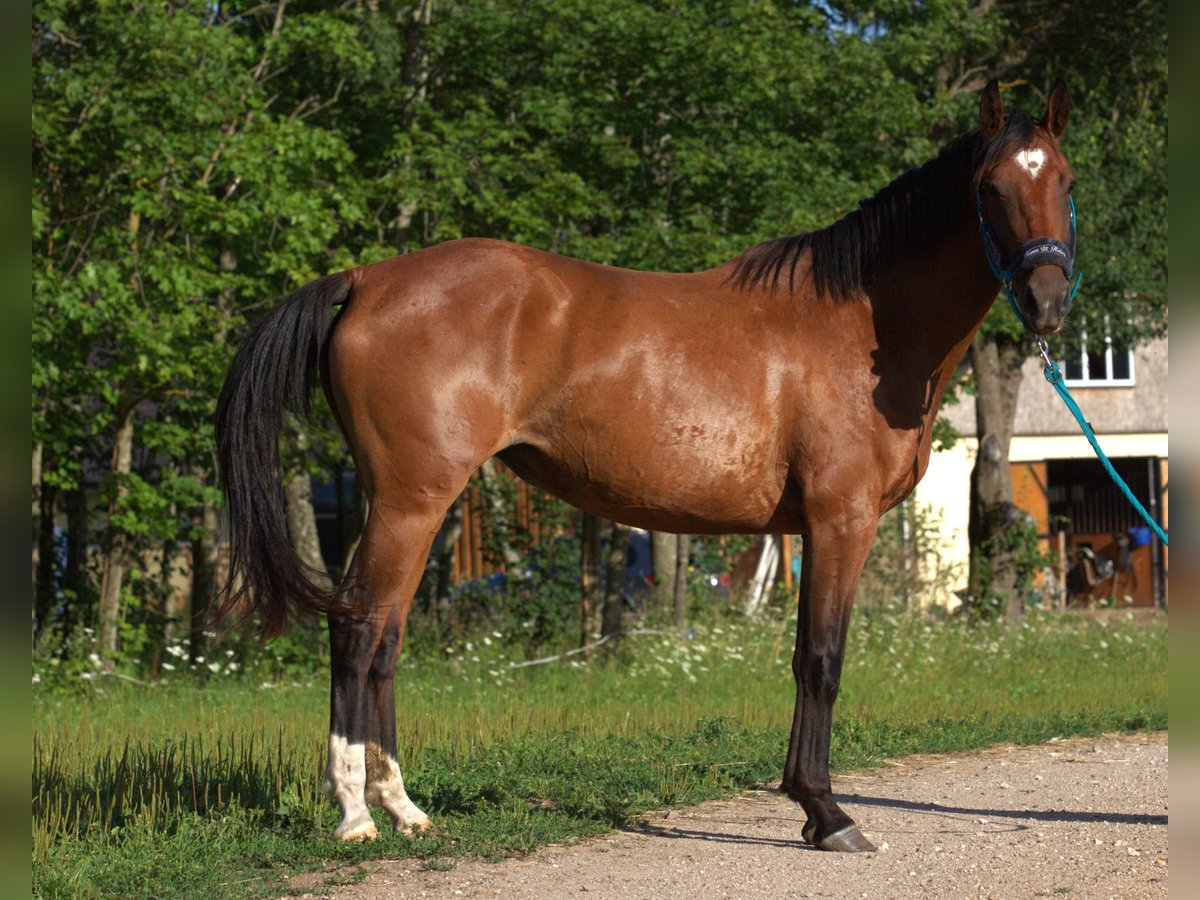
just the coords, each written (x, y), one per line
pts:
(1026, 215)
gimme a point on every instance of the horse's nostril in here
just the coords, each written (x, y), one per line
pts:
(1029, 303)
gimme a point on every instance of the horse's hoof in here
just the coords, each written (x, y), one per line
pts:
(848, 840)
(809, 831)
(356, 831)
(412, 828)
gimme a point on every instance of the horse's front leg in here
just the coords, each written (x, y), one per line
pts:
(834, 554)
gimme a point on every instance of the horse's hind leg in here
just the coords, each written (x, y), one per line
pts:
(385, 784)
(834, 557)
(364, 642)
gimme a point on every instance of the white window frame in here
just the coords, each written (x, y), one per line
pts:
(1087, 380)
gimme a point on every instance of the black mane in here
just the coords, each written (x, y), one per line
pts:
(907, 217)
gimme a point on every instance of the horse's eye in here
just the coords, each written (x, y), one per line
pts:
(989, 189)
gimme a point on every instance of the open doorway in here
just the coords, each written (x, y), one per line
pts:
(1113, 555)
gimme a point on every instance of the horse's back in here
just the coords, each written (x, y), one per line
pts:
(600, 383)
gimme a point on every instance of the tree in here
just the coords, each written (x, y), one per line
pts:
(614, 592)
(663, 552)
(159, 155)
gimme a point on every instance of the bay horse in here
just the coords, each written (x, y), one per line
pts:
(791, 390)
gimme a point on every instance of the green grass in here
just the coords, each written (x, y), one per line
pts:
(212, 790)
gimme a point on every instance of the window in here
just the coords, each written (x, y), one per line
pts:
(1098, 362)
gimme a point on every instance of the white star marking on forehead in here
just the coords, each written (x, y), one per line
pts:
(1031, 159)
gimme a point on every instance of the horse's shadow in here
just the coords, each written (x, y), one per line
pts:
(1036, 815)
(1016, 819)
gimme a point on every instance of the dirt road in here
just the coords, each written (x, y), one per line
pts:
(1085, 818)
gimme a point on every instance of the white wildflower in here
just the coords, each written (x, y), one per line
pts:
(168, 667)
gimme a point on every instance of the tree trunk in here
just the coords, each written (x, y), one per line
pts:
(75, 579)
(206, 549)
(115, 545)
(664, 548)
(37, 513)
(445, 560)
(302, 526)
(171, 602)
(996, 360)
(205, 558)
(46, 557)
(614, 595)
(679, 616)
(416, 78)
(498, 518)
(589, 563)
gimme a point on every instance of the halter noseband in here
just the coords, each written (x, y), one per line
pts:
(1042, 251)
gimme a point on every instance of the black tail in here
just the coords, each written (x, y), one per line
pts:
(275, 370)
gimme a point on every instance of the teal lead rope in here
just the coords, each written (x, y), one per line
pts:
(1050, 370)
(1055, 377)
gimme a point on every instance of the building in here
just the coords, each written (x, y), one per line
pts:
(1057, 478)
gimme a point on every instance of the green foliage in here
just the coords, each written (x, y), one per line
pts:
(533, 607)
(166, 197)
(1009, 560)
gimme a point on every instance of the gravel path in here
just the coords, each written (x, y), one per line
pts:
(1079, 817)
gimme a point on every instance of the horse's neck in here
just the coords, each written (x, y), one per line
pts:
(940, 300)
(925, 314)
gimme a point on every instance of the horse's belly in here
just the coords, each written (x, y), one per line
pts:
(690, 486)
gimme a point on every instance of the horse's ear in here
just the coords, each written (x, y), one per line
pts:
(1058, 108)
(991, 111)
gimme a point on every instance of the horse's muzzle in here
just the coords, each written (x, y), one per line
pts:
(1046, 300)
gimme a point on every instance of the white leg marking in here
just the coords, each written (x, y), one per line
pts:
(345, 781)
(1031, 159)
(385, 788)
